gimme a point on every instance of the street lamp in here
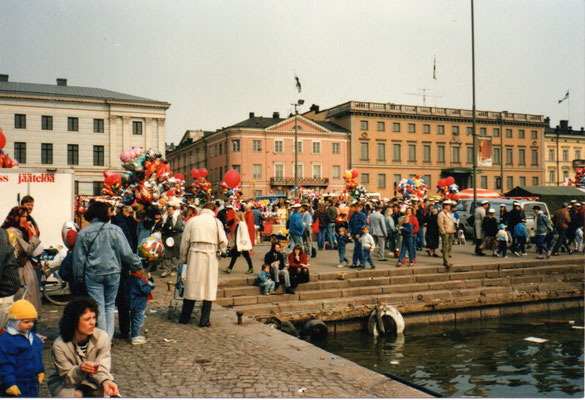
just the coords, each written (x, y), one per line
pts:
(501, 122)
(299, 102)
(473, 110)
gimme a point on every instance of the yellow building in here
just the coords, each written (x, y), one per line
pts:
(564, 152)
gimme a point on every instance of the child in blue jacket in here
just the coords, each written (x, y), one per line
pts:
(140, 287)
(21, 353)
(342, 239)
(520, 235)
(265, 281)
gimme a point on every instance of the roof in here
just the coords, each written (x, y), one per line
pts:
(263, 123)
(546, 191)
(39, 89)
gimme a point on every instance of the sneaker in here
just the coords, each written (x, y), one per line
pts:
(410, 264)
(540, 256)
(267, 294)
(548, 253)
(517, 254)
(524, 254)
(164, 274)
(138, 340)
(250, 271)
(505, 257)
(173, 273)
(227, 271)
(340, 266)
(399, 264)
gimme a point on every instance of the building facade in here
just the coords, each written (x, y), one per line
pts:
(262, 150)
(390, 142)
(86, 129)
(564, 151)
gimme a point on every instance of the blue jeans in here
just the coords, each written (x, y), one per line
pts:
(267, 287)
(321, 238)
(294, 240)
(407, 246)
(103, 289)
(341, 251)
(540, 245)
(357, 251)
(331, 234)
(367, 257)
(420, 239)
(137, 317)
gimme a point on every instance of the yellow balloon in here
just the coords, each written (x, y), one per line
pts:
(348, 174)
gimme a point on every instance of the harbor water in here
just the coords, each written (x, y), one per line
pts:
(484, 358)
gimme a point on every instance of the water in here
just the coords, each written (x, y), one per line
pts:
(487, 358)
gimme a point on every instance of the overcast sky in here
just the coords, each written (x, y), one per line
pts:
(215, 61)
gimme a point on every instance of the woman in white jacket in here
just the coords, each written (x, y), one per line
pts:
(240, 244)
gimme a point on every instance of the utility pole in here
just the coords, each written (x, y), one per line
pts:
(473, 108)
(501, 121)
(298, 103)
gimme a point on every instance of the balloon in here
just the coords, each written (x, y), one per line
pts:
(202, 173)
(136, 151)
(232, 178)
(354, 173)
(170, 193)
(125, 156)
(441, 183)
(195, 173)
(410, 182)
(2, 139)
(151, 248)
(449, 181)
(180, 176)
(348, 174)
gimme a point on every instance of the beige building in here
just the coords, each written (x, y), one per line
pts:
(564, 152)
(61, 126)
(390, 142)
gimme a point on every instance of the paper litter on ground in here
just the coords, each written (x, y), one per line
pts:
(535, 339)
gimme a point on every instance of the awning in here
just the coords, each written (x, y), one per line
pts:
(451, 171)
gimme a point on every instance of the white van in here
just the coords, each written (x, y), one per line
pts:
(465, 210)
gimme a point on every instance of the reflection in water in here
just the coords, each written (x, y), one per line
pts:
(478, 358)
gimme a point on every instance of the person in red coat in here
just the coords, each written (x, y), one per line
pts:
(298, 268)
(249, 218)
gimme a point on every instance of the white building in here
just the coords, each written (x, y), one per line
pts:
(60, 126)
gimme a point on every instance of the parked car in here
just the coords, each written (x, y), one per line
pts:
(465, 210)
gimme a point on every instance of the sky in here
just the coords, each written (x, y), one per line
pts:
(215, 61)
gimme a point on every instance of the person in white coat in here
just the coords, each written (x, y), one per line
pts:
(202, 237)
(479, 215)
(240, 244)
(378, 231)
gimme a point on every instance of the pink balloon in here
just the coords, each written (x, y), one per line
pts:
(126, 156)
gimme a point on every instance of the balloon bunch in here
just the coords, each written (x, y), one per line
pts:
(201, 187)
(231, 184)
(147, 179)
(414, 186)
(447, 188)
(351, 185)
(5, 160)
(580, 177)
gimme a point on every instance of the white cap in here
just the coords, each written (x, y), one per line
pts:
(491, 211)
(516, 203)
(485, 202)
(296, 205)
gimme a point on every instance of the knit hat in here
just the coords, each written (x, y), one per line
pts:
(22, 309)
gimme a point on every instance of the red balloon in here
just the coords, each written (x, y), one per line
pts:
(354, 173)
(180, 176)
(232, 178)
(441, 183)
(449, 181)
(2, 139)
(195, 173)
(170, 193)
(202, 173)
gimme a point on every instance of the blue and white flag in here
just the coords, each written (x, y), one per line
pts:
(298, 84)
(564, 98)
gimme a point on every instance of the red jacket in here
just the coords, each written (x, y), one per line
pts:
(292, 262)
(249, 218)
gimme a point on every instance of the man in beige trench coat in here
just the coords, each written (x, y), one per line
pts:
(202, 237)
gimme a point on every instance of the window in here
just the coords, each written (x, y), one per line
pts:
(316, 147)
(316, 171)
(299, 146)
(20, 152)
(509, 156)
(364, 151)
(73, 124)
(381, 151)
(497, 182)
(335, 148)
(47, 123)
(19, 121)
(336, 173)
(482, 132)
(365, 178)
(46, 153)
(535, 181)
(221, 171)
(552, 175)
(279, 170)
(521, 156)
(381, 181)
(396, 127)
(455, 155)
(426, 153)
(483, 182)
(441, 153)
(257, 193)
(256, 171)
(73, 154)
(98, 155)
(97, 188)
(278, 146)
(509, 182)
(497, 155)
(98, 126)
(396, 150)
(426, 128)
(427, 179)
(299, 170)
(565, 154)
(522, 181)
(412, 152)
(236, 145)
(411, 128)
(496, 132)
(565, 174)
(220, 150)
(380, 126)
(508, 133)
(137, 127)
(551, 154)
(455, 130)
(236, 167)
(441, 129)
(256, 146)
(533, 135)
(521, 134)
(398, 178)
(577, 154)
(364, 125)
(469, 152)
(469, 131)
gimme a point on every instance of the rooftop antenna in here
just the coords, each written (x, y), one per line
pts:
(425, 95)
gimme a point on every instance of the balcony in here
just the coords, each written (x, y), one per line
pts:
(306, 182)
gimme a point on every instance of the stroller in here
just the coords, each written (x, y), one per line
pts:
(176, 302)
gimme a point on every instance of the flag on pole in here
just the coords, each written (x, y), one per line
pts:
(435, 68)
(298, 84)
(564, 98)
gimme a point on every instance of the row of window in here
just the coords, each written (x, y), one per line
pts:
(72, 124)
(552, 175)
(440, 129)
(217, 149)
(47, 154)
(552, 154)
(440, 154)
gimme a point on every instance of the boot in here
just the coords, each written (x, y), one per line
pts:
(205, 312)
(186, 311)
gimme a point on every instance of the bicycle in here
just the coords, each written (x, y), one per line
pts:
(52, 286)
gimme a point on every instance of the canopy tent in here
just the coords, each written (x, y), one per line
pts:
(481, 193)
(553, 196)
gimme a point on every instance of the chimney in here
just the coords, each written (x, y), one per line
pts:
(547, 121)
(564, 125)
(61, 82)
(251, 115)
(315, 108)
(275, 114)
(3, 78)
